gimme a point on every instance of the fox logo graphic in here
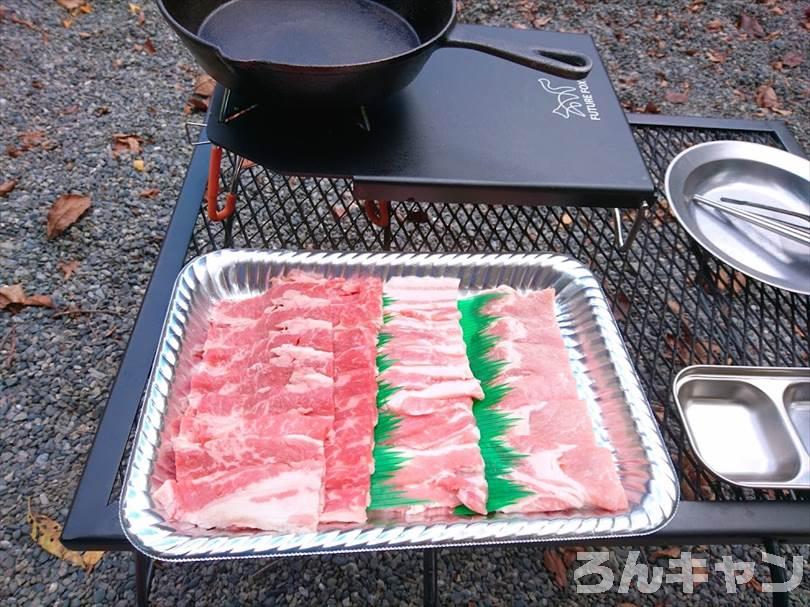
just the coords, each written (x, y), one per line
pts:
(568, 100)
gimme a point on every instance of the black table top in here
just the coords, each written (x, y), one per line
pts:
(470, 128)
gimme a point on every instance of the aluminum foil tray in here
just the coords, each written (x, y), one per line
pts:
(605, 377)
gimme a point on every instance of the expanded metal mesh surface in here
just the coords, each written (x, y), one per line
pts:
(675, 304)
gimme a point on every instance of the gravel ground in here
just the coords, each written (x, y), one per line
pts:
(81, 84)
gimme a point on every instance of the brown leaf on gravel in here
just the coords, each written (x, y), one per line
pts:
(555, 565)
(566, 219)
(68, 268)
(792, 59)
(123, 142)
(46, 532)
(755, 584)
(203, 89)
(71, 5)
(541, 21)
(569, 554)
(676, 97)
(620, 304)
(12, 151)
(138, 165)
(672, 552)
(32, 139)
(149, 193)
(24, 22)
(715, 25)
(651, 108)
(716, 56)
(766, 97)
(674, 306)
(64, 212)
(7, 186)
(204, 85)
(148, 46)
(750, 26)
(13, 298)
(799, 332)
(725, 284)
(101, 111)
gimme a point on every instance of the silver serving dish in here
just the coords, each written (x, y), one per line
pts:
(752, 172)
(605, 377)
(749, 425)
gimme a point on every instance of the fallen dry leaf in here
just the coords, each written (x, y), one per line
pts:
(699, 570)
(64, 212)
(569, 554)
(725, 284)
(691, 478)
(766, 97)
(138, 165)
(751, 26)
(149, 193)
(204, 85)
(620, 304)
(203, 89)
(46, 532)
(71, 5)
(566, 219)
(716, 56)
(134, 8)
(7, 186)
(555, 565)
(123, 142)
(149, 47)
(715, 25)
(792, 59)
(13, 299)
(68, 267)
(674, 306)
(541, 21)
(651, 108)
(24, 22)
(32, 139)
(755, 584)
(671, 552)
(676, 97)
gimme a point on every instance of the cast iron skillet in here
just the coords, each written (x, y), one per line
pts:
(335, 52)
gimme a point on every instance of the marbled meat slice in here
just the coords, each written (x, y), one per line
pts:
(249, 449)
(563, 466)
(357, 317)
(436, 431)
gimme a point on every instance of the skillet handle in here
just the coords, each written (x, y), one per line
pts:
(559, 62)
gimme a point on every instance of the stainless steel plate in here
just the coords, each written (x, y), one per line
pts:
(752, 172)
(749, 425)
(605, 378)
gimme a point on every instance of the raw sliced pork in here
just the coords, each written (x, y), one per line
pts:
(434, 392)
(274, 429)
(563, 466)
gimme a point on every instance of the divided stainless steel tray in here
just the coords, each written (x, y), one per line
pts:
(605, 377)
(749, 425)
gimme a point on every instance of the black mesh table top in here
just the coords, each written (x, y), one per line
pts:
(470, 128)
(675, 306)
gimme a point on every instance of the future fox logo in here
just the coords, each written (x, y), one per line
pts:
(568, 100)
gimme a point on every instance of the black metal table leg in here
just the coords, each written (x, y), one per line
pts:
(780, 598)
(144, 567)
(430, 581)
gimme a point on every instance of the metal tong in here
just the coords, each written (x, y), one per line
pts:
(778, 226)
